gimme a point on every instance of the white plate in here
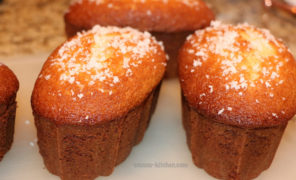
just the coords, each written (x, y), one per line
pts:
(164, 143)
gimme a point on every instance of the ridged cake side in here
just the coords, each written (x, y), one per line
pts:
(9, 86)
(85, 152)
(7, 120)
(229, 152)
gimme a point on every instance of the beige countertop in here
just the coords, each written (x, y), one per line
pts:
(31, 26)
(36, 26)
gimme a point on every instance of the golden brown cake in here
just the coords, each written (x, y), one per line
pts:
(94, 98)
(239, 91)
(170, 21)
(8, 88)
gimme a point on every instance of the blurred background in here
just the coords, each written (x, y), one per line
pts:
(34, 26)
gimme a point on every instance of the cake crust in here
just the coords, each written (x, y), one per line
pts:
(156, 16)
(239, 75)
(7, 121)
(238, 93)
(229, 152)
(9, 86)
(94, 98)
(84, 152)
(98, 76)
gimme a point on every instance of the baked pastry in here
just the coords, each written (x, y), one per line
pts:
(170, 21)
(94, 98)
(239, 91)
(8, 88)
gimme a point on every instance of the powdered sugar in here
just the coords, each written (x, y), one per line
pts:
(47, 77)
(211, 88)
(91, 55)
(220, 111)
(80, 95)
(275, 115)
(240, 57)
(245, 55)
(197, 63)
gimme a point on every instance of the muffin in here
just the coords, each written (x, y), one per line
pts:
(8, 88)
(94, 98)
(170, 21)
(238, 94)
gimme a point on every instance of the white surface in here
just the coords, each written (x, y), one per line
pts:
(164, 141)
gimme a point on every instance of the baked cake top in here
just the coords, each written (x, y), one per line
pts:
(239, 75)
(8, 84)
(99, 75)
(145, 15)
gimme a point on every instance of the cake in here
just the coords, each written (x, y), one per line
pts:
(238, 94)
(170, 21)
(94, 98)
(8, 89)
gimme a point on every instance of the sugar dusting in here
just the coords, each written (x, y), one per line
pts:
(220, 111)
(90, 55)
(258, 64)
